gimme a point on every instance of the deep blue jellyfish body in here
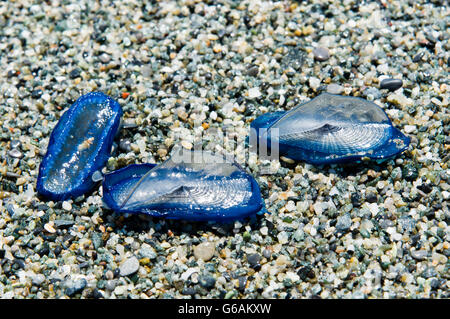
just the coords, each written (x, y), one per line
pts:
(212, 190)
(79, 145)
(331, 129)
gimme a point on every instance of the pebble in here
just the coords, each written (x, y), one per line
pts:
(418, 57)
(97, 177)
(125, 145)
(15, 153)
(204, 251)
(267, 253)
(66, 205)
(321, 54)
(334, 88)
(129, 267)
(408, 129)
(49, 228)
(74, 73)
(254, 93)
(111, 285)
(38, 279)
(391, 84)
(75, 286)
(253, 259)
(343, 222)
(207, 281)
(15, 144)
(314, 83)
(253, 70)
(419, 254)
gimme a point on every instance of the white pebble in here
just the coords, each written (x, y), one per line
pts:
(254, 93)
(67, 206)
(314, 83)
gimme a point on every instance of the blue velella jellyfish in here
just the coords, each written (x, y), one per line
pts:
(79, 145)
(209, 189)
(331, 129)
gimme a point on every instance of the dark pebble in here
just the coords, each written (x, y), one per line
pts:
(96, 294)
(44, 250)
(208, 76)
(426, 188)
(188, 291)
(15, 144)
(391, 84)
(435, 284)
(242, 283)
(36, 94)
(207, 281)
(57, 250)
(75, 286)
(253, 70)
(371, 197)
(62, 223)
(410, 172)
(321, 54)
(253, 259)
(356, 199)
(418, 57)
(125, 145)
(306, 272)
(11, 73)
(74, 73)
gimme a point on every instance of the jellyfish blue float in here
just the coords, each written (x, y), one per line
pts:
(331, 129)
(212, 189)
(79, 145)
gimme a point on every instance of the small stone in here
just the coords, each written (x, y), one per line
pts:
(371, 197)
(73, 287)
(343, 222)
(189, 291)
(418, 57)
(419, 254)
(110, 285)
(253, 70)
(147, 252)
(67, 206)
(314, 83)
(104, 58)
(267, 253)
(38, 279)
(207, 281)
(334, 88)
(409, 129)
(74, 73)
(242, 280)
(321, 54)
(97, 177)
(35, 94)
(63, 223)
(204, 251)
(254, 93)
(97, 240)
(15, 144)
(253, 259)
(372, 92)
(129, 267)
(391, 84)
(15, 153)
(49, 228)
(125, 145)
